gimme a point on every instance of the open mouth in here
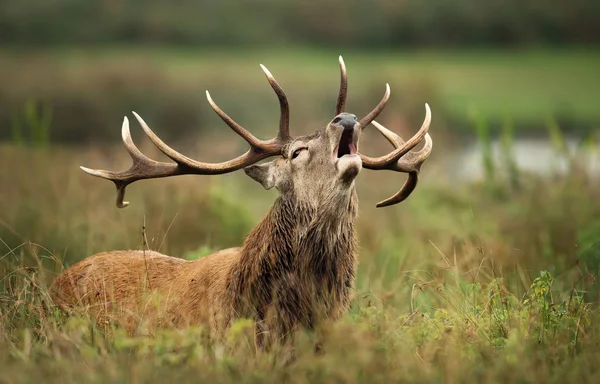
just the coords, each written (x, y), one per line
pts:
(347, 144)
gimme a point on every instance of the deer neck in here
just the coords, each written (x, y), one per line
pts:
(294, 231)
(310, 245)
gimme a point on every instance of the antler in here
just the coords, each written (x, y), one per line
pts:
(343, 95)
(394, 160)
(145, 168)
(401, 159)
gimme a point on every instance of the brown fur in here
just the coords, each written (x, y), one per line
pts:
(295, 269)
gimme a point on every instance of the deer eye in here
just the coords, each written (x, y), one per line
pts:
(297, 152)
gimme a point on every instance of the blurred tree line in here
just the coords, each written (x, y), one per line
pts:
(358, 23)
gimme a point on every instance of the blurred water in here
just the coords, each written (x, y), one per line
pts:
(533, 155)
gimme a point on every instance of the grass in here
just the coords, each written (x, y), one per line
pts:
(488, 282)
(475, 333)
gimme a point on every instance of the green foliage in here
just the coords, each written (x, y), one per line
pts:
(231, 214)
(31, 125)
(588, 240)
(482, 130)
(494, 313)
(507, 154)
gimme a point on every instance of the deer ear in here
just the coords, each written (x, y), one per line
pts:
(263, 173)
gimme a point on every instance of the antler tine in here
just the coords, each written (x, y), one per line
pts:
(416, 159)
(164, 148)
(412, 166)
(410, 163)
(392, 157)
(391, 137)
(284, 119)
(343, 92)
(412, 160)
(343, 95)
(377, 110)
(137, 170)
(250, 138)
(407, 188)
(397, 141)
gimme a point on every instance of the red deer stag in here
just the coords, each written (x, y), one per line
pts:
(295, 268)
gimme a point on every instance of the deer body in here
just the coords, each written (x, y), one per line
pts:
(145, 289)
(294, 270)
(291, 271)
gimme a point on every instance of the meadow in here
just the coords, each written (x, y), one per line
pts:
(90, 89)
(490, 281)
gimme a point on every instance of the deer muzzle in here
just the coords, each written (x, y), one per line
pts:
(345, 153)
(348, 141)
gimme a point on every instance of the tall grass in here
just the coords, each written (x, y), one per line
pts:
(486, 282)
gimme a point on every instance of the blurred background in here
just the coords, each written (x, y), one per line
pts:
(513, 85)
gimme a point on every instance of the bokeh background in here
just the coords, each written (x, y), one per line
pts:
(514, 88)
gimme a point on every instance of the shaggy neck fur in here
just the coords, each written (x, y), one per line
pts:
(298, 265)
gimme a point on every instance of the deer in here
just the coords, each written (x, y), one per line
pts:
(295, 270)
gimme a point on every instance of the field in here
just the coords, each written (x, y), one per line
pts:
(90, 89)
(492, 281)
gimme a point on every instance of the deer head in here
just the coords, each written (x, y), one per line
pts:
(311, 168)
(316, 167)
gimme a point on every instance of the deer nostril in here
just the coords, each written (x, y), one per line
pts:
(346, 120)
